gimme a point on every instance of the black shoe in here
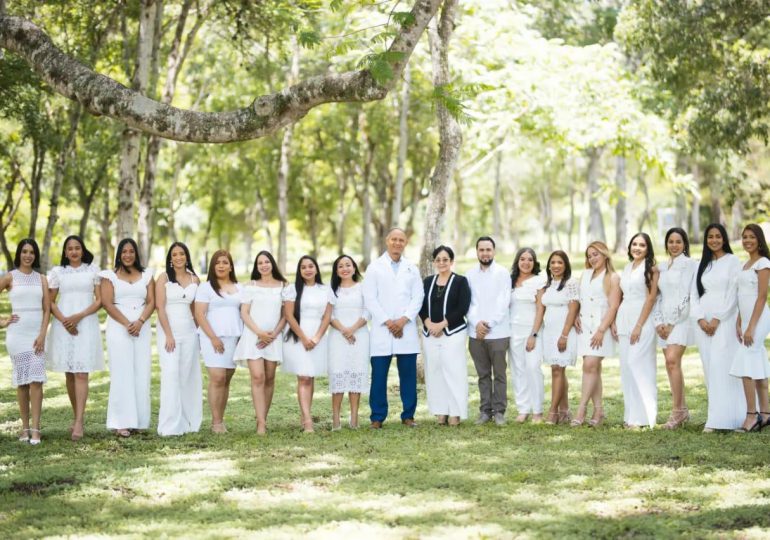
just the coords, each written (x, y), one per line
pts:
(757, 426)
(765, 423)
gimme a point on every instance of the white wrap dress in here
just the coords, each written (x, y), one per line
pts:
(594, 305)
(752, 361)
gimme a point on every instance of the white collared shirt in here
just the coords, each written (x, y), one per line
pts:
(490, 296)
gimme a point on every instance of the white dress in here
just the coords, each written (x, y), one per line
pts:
(26, 296)
(181, 395)
(752, 361)
(128, 406)
(556, 309)
(224, 317)
(638, 370)
(673, 303)
(84, 352)
(348, 363)
(312, 307)
(266, 306)
(593, 308)
(526, 373)
(726, 400)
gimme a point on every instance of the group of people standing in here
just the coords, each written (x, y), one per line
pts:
(533, 319)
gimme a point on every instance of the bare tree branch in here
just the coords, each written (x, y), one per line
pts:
(101, 95)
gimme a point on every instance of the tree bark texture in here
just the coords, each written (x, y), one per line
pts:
(131, 138)
(621, 214)
(695, 210)
(403, 141)
(267, 114)
(450, 135)
(595, 222)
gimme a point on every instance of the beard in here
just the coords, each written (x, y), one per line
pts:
(487, 263)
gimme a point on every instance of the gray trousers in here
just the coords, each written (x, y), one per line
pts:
(490, 356)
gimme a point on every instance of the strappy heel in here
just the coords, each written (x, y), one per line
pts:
(24, 435)
(32, 440)
(756, 426)
(677, 419)
(597, 418)
(765, 423)
(552, 418)
(580, 419)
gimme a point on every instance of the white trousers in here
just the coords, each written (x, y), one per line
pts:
(526, 373)
(446, 374)
(181, 387)
(128, 406)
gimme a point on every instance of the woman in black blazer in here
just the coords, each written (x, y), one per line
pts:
(446, 302)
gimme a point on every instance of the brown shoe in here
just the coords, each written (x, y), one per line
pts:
(376, 425)
(409, 422)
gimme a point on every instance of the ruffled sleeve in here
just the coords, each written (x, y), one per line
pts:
(108, 274)
(248, 294)
(572, 290)
(203, 294)
(53, 277)
(289, 293)
(762, 264)
(147, 276)
(95, 271)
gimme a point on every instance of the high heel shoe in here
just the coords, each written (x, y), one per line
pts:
(756, 426)
(307, 426)
(24, 436)
(565, 417)
(597, 419)
(32, 440)
(677, 419)
(580, 418)
(552, 418)
(766, 422)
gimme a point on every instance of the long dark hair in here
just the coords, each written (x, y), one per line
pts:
(87, 258)
(35, 248)
(137, 263)
(256, 276)
(515, 272)
(170, 272)
(649, 258)
(567, 269)
(212, 275)
(299, 286)
(336, 280)
(708, 255)
(762, 248)
(681, 232)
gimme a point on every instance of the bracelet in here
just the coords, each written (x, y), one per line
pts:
(563, 337)
(143, 320)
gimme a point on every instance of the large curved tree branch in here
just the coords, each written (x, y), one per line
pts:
(101, 95)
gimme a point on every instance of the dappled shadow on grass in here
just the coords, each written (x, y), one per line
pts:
(466, 481)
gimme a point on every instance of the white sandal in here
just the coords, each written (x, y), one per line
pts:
(24, 437)
(32, 441)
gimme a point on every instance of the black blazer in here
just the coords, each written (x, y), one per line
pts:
(457, 301)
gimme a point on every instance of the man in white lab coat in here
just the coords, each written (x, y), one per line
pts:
(393, 295)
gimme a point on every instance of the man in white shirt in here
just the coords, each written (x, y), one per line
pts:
(393, 295)
(489, 330)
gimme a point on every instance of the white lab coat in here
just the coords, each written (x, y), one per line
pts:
(390, 295)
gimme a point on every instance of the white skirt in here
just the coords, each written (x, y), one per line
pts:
(213, 359)
(682, 334)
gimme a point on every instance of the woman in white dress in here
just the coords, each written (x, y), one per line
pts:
(557, 308)
(128, 297)
(308, 312)
(714, 307)
(348, 339)
(260, 347)
(636, 334)
(671, 316)
(218, 314)
(181, 403)
(599, 301)
(25, 338)
(526, 348)
(446, 300)
(753, 326)
(75, 341)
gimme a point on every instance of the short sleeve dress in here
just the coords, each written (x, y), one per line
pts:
(84, 352)
(224, 317)
(752, 361)
(348, 363)
(266, 304)
(556, 304)
(26, 296)
(312, 307)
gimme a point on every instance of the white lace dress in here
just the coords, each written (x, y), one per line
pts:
(83, 353)
(638, 369)
(752, 361)
(556, 304)
(312, 306)
(26, 296)
(266, 304)
(348, 363)
(673, 303)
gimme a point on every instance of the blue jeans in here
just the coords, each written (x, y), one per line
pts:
(407, 381)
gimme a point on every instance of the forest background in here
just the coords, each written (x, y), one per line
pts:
(544, 123)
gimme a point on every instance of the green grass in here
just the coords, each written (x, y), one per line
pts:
(516, 481)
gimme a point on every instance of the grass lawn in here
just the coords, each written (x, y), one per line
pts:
(516, 481)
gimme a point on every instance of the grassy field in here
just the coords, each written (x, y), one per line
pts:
(516, 481)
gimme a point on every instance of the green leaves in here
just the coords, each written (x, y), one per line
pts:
(308, 39)
(379, 65)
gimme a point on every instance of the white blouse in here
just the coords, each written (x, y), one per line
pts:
(672, 306)
(224, 312)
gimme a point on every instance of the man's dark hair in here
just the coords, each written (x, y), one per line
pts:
(485, 239)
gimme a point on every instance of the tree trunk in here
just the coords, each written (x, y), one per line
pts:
(130, 143)
(571, 227)
(283, 167)
(366, 202)
(104, 231)
(460, 232)
(35, 187)
(645, 218)
(264, 219)
(496, 232)
(736, 219)
(61, 164)
(715, 186)
(695, 211)
(8, 212)
(595, 221)
(403, 140)
(621, 217)
(450, 135)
